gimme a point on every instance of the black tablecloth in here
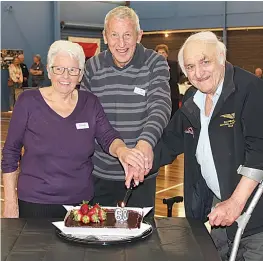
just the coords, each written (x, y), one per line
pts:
(177, 239)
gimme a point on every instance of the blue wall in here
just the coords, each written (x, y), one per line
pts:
(85, 12)
(163, 15)
(30, 27)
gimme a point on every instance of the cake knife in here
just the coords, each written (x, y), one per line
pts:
(128, 194)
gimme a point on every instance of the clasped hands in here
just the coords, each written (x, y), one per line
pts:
(137, 162)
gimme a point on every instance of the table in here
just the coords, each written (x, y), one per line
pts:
(177, 239)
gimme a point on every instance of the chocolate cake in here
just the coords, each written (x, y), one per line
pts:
(134, 221)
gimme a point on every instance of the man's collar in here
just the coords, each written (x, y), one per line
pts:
(219, 88)
(200, 96)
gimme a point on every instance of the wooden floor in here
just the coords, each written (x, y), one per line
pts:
(169, 181)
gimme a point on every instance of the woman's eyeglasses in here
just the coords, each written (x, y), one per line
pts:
(71, 71)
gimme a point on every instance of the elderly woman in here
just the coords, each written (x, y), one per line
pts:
(57, 125)
(16, 80)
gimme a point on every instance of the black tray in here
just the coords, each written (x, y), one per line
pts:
(94, 241)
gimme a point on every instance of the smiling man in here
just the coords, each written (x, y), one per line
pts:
(218, 128)
(132, 85)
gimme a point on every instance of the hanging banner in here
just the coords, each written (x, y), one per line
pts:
(91, 46)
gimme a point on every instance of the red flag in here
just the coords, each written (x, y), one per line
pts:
(89, 48)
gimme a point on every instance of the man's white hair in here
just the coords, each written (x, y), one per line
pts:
(122, 12)
(206, 37)
(74, 50)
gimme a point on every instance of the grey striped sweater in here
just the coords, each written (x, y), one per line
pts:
(136, 100)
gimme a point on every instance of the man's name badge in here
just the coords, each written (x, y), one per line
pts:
(139, 91)
(82, 125)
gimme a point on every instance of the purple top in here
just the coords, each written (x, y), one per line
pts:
(56, 166)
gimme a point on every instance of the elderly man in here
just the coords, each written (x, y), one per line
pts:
(24, 70)
(132, 85)
(258, 73)
(37, 72)
(163, 50)
(218, 128)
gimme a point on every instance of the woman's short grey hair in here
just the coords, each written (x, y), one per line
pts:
(122, 12)
(74, 50)
(207, 37)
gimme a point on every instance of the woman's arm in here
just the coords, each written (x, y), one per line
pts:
(10, 195)
(129, 157)
(11, 153)
(12, 74)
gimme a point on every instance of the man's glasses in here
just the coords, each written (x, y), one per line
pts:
(71, 71)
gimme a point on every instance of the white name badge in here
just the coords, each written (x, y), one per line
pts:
(82, 125)
(139, 91)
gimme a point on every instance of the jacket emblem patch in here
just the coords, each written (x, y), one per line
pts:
(189, 130)
(230, 120)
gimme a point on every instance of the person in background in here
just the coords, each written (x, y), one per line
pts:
(258, 73)
(132, 85)
(174, 69)
(24, 70)
(57, 125)
(15, 81)
(37, 72)
(219, 129)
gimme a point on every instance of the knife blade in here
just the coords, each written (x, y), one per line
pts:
(128, 193)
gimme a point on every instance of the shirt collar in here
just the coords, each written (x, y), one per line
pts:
(199, 97)
(219, 89)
